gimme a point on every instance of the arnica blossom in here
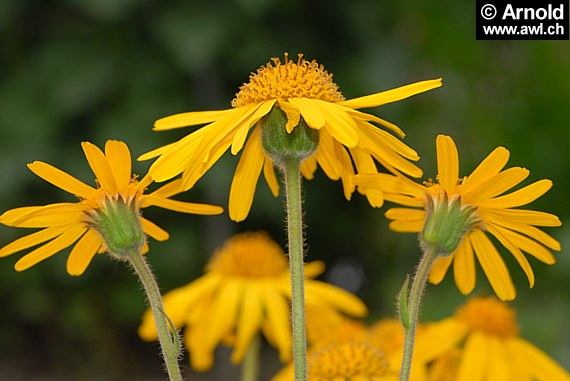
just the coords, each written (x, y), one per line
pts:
(74, 223)
(246, 291)
(383, 341)
(481, 342)
(483, 192)
(303, 91)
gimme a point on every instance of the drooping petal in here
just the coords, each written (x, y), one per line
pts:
(339, 123)
(407, 226)
(293, 115)
(405, 214)
(181, 206)
(83, 252)
(154, 230)
(464, 268)
(224, 312)
(447, 164)
(30, 240)
(189, 119)
(474, 364)
(439, 269)
(493, 265)
(346, 169)
(67, 238)
(499, 366)
(365, 164)
(515, 251)
(278, 313)
(326, 157)
(119, 159)
(520, 197)
(241, 132)
(438, 339)
(310, 111)
(246, 177)
(357, 115)
(249, 322)
(100, 167)
(392, 95)
(523, 216)
(168, 190)
(62, 180)
(530, 246)
(489, 167)
(530, 231)
(270, 177)
(323, 293)
(543, 367)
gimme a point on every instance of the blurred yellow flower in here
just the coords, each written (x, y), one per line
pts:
(246, 291)
(65, 224)
(495, 212)
(480, 342)
(305, 92)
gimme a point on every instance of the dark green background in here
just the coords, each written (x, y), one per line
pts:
(106, 69)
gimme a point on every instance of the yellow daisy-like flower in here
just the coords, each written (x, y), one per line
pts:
(303, 90)
(245, 291)
(482, 193)
(65, 224)
(481, 343)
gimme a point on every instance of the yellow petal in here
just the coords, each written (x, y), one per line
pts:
(119, 159)
(515, 251)
(339, 123)
(181, 206)
(189, 119)
(439, 269)
(447, 164)
(67, 238)
(530, 231)
(543, 367)
(59, 214)
(193, 173)
(309, 166)
(474, 364)
(464, 268)
(407, 226)
(313, 269)
(100, 167)
(156, 152)
(357, 115)
(389, 140)
(530, 246)
(154, 230)
(439, 338)
(241, 133)
(245, 179)
(293, 115)
(62, 180)
(493, 265)
(320, 293)
(489, 167)
(346, 169)
(392, 95)
(169, 189)
(405, 214)
(277, 311)
(326, 157)
(30, 240)
(364, 164)
(496, 185)
(499, 365)
(249, 322)
(522, 216)
(224, 312)
(520, 197)
(270, 177)
(83, 252)
(310, 111)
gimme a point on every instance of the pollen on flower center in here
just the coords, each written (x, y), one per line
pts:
(490, 316)
(251, 255)
(346, 361)
(301, 79)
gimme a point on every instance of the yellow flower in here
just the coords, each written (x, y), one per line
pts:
(65, 224)
(245, 291)
(303, 90)
(480, 342)
(482, 192)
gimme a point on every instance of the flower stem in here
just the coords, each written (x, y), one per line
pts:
(412, 306)
(250, 365)
(292, 174)
(169, 340)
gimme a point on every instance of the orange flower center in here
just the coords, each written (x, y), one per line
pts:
(350, 360)
(301, 79)
(489, 316)
(250, 255)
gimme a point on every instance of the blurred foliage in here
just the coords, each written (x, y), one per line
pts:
(100, 69)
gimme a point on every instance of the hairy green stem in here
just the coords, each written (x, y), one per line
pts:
(292, 174)
(413, 303)
(250, 364)
(169, 340)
